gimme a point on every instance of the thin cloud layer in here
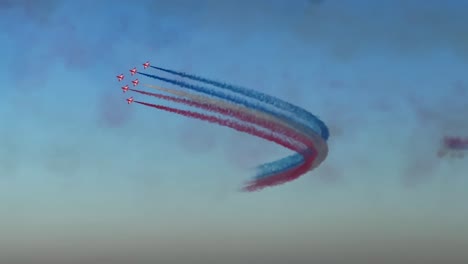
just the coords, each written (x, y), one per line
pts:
(401, 27)
(346, 31)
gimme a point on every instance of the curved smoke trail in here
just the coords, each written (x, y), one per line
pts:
(238, 114)
(309, 118)
(308, 153)
(284, 123)
(215, 102)
(267, 169)
(295, 160)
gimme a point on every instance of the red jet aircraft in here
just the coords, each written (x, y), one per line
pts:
(125, 88)
(120, 77)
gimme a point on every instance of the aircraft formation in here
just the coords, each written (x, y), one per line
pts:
(135, 82)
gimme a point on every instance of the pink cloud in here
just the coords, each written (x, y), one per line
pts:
(447, 114)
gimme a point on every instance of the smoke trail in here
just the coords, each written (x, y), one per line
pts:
(267, 169)
(285, 123)
(260, 180)
(234, 99)
(227, 123)
(290, 162)
(281, 177)
(241, 115)
(264, 170)
(297, 111)
(218, 103)
(309, 154)
(313, 158)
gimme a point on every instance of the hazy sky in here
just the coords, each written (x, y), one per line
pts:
(86, 178)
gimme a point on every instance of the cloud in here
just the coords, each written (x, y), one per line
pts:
(419, 167)
(447, 114)
(38, 11)
(402, 28)
(345, 31)
(44, 34)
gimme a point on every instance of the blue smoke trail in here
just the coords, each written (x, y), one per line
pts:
(231, 98)
(297, 111)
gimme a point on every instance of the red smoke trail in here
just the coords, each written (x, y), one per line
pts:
(236, 114)
(227, 123)
(282, 177)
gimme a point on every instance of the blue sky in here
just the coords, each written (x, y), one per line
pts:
(85, 177)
